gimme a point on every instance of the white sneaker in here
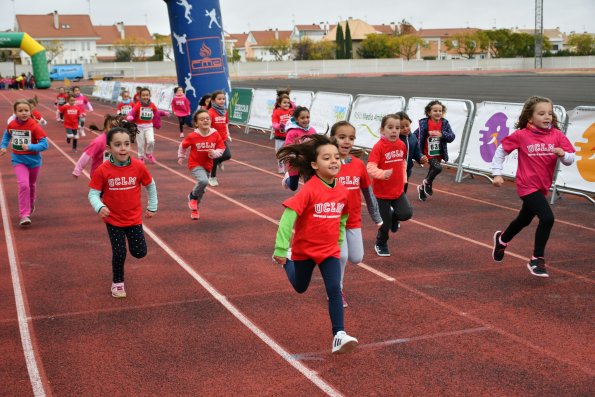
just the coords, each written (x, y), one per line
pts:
(343, 343)
(82, 132)
(213, 182)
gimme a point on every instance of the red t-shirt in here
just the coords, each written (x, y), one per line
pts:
(389, 155)
(354, 177)
(536, 162)
(61, 99)
(121, 191)
(28, 132)
(219, 123)
(281, 116)
(432, 144)
(71, 116)
(36, 115)
(125, 108)
(199, 148)
(144, 114)
(317, 227)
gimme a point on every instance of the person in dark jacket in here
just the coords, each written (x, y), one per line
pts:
(413, 150)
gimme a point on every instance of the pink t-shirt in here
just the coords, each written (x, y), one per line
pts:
(537, 161)
(96, 150)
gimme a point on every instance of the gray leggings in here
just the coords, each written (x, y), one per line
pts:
(352, 249)
(202, 180)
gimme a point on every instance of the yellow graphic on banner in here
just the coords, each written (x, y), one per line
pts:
(586, 155)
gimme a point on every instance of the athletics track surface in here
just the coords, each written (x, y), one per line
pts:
(207, 312)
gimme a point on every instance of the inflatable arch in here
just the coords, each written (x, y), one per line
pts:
(35, 50)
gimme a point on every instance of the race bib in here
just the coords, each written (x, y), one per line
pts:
(106, 155)
(61, 101)
(124, 110)
(20, 138)
(434, 146)
(146, 114)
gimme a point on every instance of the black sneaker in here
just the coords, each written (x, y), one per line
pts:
(382, 250)
(498, 251)
(427, 188)
(395, 225)
(421, 194)
(537, 267)
(67, 140)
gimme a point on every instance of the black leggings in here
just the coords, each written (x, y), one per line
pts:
(400, 206)
(182, 121)
(533, 204)
(435, 169)
(226, 156)
(136, 244)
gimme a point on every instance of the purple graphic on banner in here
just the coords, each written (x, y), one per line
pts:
(492, 136)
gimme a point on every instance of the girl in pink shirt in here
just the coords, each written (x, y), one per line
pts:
(540, 144)
(297, 129)
(180, 106)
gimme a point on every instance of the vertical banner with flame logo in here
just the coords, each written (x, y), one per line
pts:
(199, 47)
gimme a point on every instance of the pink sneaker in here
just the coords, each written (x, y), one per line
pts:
(193, 204)
(151, 158)
(194, 215)
(141, 159)
(118, 290)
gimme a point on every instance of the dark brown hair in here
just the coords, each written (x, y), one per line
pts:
(300, 156)
(432, 103)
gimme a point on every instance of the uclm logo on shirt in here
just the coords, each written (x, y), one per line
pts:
(541, 149)
(122, 181)
(328, 210)
(72, 111)
(394, 155)
(350, 182)
(205, 145)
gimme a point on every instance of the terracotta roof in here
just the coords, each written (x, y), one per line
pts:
(309, 27)
(42, 26)
(240, 39)
(444, 32)
(358, 28)
(110, 35)
(265, 37)
(384, 29)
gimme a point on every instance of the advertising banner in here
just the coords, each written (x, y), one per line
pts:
(367, 113)
(328, 108)
(261, 110)
(239, 105)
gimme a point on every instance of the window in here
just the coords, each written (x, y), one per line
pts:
(88, 46)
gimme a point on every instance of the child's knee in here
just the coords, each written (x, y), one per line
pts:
(139, 253)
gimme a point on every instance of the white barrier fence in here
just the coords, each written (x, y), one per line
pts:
(367, 113)
(478, 130)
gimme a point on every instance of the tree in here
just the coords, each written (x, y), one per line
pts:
(378, 46)
(53, 49)
(306, 49)
(234, 56)
(279, 48)
(161, 41)
(467, 45)
(131, 49)
(503, 43)
(348, 43)
(340, 51)
(407, 45)
(584, 44)
(405, 28)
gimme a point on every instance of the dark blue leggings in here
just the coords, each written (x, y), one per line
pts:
(299, 274)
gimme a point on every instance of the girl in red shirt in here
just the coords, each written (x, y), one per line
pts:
(220, 122)
(204, 145)
(354, 177)
(115, 195)
(71, 114)
(281, 115)
(61, 100)
(540, 144)
(126, 104)
(387, 164)
(319, 212)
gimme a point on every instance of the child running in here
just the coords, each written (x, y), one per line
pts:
(297, 129)
(387, 164)
(180, 106)
(126, 104)
(204, 101)
(96, 151)
(84, 105)
(61, 100)
(319, 212)
(35, 115)
(220, 122)
(115, 195)
(540, 144)
(146, 116)
(204, 144)
(71, 114)
(433, 134)
(354, 177)
(27, 140)
(281, 115)
(413, 150)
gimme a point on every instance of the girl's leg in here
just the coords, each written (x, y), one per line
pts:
(522, 220)
(150, 140)
(202, 180)
(278, 145)
(181, 121)
(22, 174)
(82, 125)
(33, 174)
(70, 134)
(140, 142)
(226, 156)
(331, 274)
(299, 274)
(537, 203)
(435, 169)
(384, 207)
(117, 236)
(402, 208)
(137, 244)
(352, 249)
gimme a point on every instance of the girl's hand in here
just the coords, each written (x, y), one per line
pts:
(2, 151)
(149, 214)
(279, 260)
(436, 133)
(181, 161)
(210, 153)
(498, 181)
(423, 159)
(25, 146)
(387, 174)
(559, 152)
(104, 212)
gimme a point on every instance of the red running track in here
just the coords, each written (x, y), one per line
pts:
(208, 314)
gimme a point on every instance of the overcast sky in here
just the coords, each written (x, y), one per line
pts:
(244, 15)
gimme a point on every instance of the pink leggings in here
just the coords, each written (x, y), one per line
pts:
(26, 179)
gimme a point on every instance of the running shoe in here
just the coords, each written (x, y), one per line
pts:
(343, 343)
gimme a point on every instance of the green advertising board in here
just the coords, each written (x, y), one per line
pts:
(239, 105)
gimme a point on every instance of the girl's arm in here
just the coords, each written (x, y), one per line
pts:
(498, 161)
(88, 105)
(152, 196)
(163, 113)
(81, 164)
(6, 139)
(94, 197)
(284, 232)
(565, 157)
(39, 146)
(447, 135)
(372, 205)
(376, 172)
(216, 153)
(183, 151)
